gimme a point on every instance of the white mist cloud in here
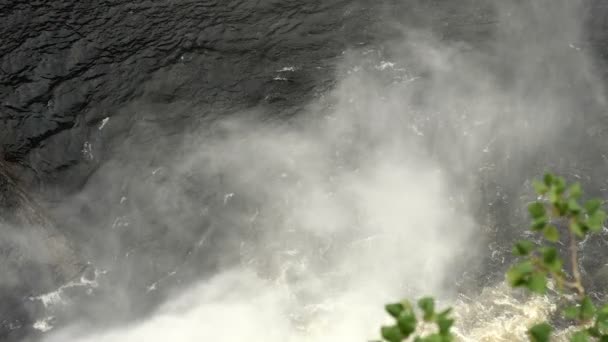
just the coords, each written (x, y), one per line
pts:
(368, 197)
(341, 219)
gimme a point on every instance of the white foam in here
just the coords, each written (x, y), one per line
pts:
(43, 325)
(50, 298)
(87, 150)
(385, 65)
(55, 297)
(103, 123)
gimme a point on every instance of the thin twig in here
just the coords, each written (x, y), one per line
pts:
(577, 284)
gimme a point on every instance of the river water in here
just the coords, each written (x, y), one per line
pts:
(276, 171)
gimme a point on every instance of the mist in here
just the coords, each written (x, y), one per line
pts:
(391, 185)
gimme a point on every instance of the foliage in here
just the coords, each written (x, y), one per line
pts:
(540, 265)
(408, 320)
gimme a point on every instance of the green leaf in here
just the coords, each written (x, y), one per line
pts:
(578, 229)
(548, 179)
(392, 333)
(394, 309)
(596, 221)
(444, 322)
(601, 320)
(602, 327)
(551, 258)
(537, 283)
(427, 305)
(593, 205)
(540, 187)
(562, 207)
(554, 197)
(518, 274)
(587, 309)
(433, 338)
(444, 325)
(445, 313)
(539, 224)
(560, 185)
(551, 233)
(523, 248)
(579, 336)
(594, 332)
(572, 312)
(603, 311)
(575, 190)
(536, 210)
(540, 332)
(573, 206)
(407, 322)
(448, 338)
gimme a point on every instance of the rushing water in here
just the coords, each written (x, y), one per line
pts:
(283, 186)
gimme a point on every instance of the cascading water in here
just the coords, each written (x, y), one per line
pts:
(407, 176)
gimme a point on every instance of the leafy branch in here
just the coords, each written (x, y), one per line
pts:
(408, 321)
(560, 203)
(541, 263)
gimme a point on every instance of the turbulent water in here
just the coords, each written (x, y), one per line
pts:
(277, 171)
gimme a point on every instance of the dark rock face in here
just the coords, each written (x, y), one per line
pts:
(95, 96)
